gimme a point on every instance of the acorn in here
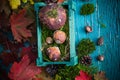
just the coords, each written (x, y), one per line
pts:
(100, 58)
(53, 53)
(49, 40)
(59, 36)
(100, 41)
(88, 29)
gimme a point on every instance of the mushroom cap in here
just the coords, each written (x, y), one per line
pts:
(54, 16)
(59, 36)
(49, 40)
(53, 53)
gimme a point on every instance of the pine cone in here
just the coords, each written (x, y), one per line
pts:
(86, 60)
(100, 41)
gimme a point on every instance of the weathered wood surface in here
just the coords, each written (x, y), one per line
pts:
(107, 12)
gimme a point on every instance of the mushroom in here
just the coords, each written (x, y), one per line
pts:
(59, 36)
(53, 53)
(49, 40)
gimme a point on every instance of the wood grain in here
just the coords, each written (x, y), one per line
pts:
(108, 13)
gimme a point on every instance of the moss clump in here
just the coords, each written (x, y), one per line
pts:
(85, 47)
(64, 48)
(87, 9)
(52, 13)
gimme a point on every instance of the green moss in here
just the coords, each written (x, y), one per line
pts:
(87, 9)
(65, 72)
(64, 48)
(52, 13)
(85, 47)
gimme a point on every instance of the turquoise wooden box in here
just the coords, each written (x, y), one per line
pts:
(73, 56)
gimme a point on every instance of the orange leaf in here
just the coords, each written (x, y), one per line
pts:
(19, 23)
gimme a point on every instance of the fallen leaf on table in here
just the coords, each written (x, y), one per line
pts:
(60, 1)
(8, 58)
(44, 76)
(24, 70)
(28, 51)
(4, 7)
(19, 23)
(14, 48)
(83, 76)
(4, 22)
(100, 76)
(14, 4)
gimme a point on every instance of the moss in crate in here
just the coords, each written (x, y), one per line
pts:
(64, 48)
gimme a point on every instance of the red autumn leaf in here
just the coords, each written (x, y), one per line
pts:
(25, 50)
(28, 51)
(24, 70)
(83, 76)
(8, 58)
(19, 23)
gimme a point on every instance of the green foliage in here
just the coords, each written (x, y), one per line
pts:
(85, 47)
(64, 48)
(70, 72)
(87, 9)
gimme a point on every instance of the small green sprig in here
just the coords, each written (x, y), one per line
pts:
(87, 9)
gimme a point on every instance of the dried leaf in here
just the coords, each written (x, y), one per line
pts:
(19, 23)
(4, 22)
(83, 76)
(14, 4)
(60, 1)
(8, 58)
(44, 76)
(100, 76)
(14, 48)
(28, 51)
(24, 70)
(4, 6)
